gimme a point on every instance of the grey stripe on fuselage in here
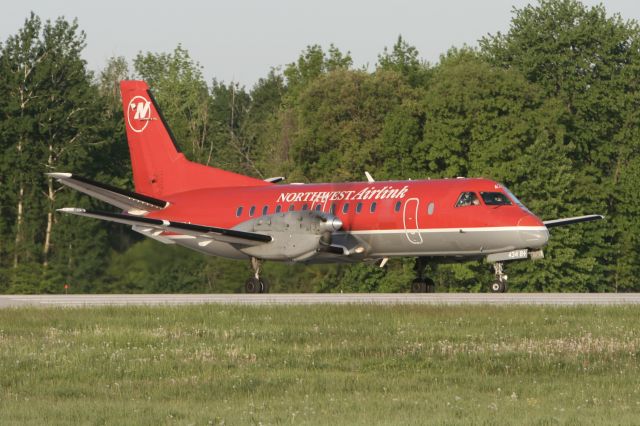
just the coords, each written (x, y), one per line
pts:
(451, 241)
(398, 242)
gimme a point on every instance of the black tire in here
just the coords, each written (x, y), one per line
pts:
(418, 286)
(253, 285)
(430, 286)
(498, 287)
(264, 286)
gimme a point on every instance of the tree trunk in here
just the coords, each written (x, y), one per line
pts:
(51, 197)
(47, 239)
(18, 241)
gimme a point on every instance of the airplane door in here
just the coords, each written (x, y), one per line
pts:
(410, 220)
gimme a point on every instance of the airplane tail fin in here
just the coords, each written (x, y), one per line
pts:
(159, 168)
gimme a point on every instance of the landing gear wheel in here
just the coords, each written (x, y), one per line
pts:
(422, 284)
(418, 286)
(498, 287)
(430, 286)
(500, 284)
(253, 285)
(264, 286)
(256, 284)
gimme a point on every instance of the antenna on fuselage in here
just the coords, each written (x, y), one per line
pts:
(369, 177)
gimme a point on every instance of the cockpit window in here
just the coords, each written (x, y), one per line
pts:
(495, 199)
(467, 199)
(515, 199)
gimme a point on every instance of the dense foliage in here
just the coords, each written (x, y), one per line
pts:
(550, 108)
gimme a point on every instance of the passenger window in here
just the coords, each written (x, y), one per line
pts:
(291, 207)
(468, 199)
(265, 210)
(397, 207)
(373, 207)
(333, 208)
(278, 208)
(305, 207)
(430, 208)
(345, 208)
(495, 199)
(358, 207)
(239, 211)
(252, 211)
(319, 207)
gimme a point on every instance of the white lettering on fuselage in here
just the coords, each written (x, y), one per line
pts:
(368, 193)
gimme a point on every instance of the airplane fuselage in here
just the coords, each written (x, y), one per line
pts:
(379, 219)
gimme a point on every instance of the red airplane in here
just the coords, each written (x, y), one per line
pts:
(221, 213)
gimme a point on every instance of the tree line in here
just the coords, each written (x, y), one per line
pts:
(549, 108)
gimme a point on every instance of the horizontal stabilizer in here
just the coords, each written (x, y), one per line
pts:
(572, 220)
(132, 202)
(220, 234)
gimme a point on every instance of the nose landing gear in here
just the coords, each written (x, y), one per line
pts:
(500, 285)
(256, 284)
(422, 284)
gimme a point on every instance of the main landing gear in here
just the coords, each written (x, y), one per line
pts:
(500, 285)
(422, 284)
(256, 284)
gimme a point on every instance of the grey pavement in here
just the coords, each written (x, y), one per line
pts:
(323, 298)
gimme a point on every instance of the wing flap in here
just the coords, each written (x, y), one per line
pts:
(132, 202)
(572, 220)
(219, 234)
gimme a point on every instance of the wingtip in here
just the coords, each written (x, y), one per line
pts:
(59, 175)
(71, 210)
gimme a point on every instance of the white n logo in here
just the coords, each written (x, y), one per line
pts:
(143, 111)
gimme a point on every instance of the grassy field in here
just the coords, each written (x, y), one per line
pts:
(215, 364)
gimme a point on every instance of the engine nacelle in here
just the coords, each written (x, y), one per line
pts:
(297, 235)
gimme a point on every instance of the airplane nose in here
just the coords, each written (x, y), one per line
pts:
(529, 220)
(533, 233)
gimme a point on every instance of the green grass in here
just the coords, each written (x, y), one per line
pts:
(359, 364)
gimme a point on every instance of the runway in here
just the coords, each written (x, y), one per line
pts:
(553, 299)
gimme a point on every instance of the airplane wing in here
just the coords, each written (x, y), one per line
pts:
(132, 202)
(220, 234)
(572, 220)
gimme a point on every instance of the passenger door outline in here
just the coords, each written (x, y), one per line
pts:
(410, 221)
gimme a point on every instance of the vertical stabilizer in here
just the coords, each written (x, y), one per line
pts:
(159, 168)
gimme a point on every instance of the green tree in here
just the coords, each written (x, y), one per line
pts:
(589, 62)
(266, 128)
(404, 59)
(232, 148)
(50, 114)
(21, 54)
(312, 63)
(483, 120)
(340, 118)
